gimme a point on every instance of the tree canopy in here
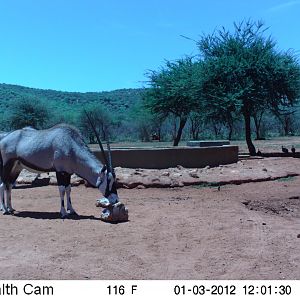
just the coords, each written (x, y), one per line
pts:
(174, 90)
(28, 112)
(101, 120)
(243, 72)
(239, 76)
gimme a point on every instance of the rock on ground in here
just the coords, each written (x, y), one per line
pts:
(241, 172)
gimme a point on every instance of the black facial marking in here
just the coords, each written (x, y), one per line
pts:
(107, 193)
(113, 188)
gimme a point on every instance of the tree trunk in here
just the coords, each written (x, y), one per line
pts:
(195, 128)
(250, 145)
(229, 123)
(230, 130)
(179, 132)
(257, 121)
(196, 135)
(287, 125)
(194, 132)
(174, 127)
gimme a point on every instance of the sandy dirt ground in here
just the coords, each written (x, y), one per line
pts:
(245, 231)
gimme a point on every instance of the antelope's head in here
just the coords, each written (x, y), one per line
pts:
(107, 185)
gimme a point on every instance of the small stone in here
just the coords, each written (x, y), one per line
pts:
(298, 236)
(177, 175)
(165, 174)
(179, 167)
(194, 175)
(264, 223)
(141, 187)
(265, 170)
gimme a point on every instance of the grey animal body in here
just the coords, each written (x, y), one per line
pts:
(3, 134)
(60, 149)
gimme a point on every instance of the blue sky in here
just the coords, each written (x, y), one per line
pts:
(95, 45)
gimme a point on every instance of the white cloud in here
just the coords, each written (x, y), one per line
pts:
(283, 6)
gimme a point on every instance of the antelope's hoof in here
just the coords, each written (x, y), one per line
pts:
(72, 213)
(63, 216)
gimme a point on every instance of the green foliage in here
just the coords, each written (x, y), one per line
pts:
(285, 179)
(28, 112)
(174, 90)
(118, 101)
(101, 119)
(243, 73)
(239, 76)
(67, 107)
(146, 123)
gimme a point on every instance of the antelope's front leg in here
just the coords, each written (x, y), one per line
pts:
(70, 208)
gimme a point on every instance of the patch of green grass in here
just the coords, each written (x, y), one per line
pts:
(206, 185)
(285, 179)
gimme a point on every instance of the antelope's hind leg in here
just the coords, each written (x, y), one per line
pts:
(9, 173)
(5, 191)
(3, 205)
(8, 198)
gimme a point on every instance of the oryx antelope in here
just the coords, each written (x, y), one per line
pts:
(60, 149)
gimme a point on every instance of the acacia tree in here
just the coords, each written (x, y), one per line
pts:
(28, 112)
(174, 91)
(100, 117)
(146, 123)
(244, 73)
(197, 122)
(287, 120)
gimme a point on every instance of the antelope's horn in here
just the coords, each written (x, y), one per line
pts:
(109, 156)
(98, 139)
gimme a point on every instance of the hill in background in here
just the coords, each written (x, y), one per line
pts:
(69, 103)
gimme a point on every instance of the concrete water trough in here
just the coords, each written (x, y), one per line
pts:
(212, 143)
(162, 158)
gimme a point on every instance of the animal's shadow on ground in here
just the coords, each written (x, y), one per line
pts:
(50, 216)
(35, 183)
(55, 215)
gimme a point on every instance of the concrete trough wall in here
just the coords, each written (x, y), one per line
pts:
(208, 143)
(162, 158)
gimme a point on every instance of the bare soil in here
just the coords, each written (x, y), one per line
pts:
(229, 229)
